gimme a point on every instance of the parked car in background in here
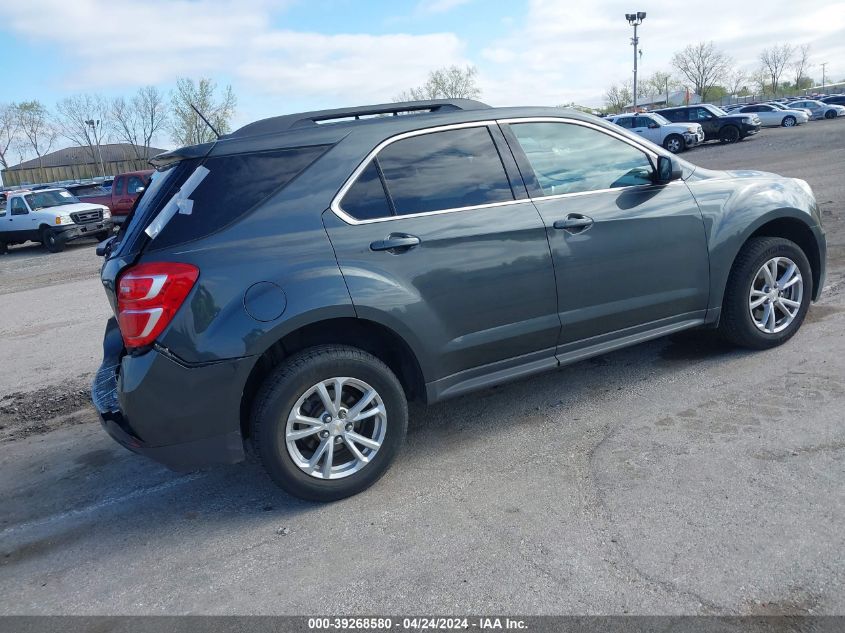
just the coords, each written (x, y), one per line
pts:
(330, 273)
(124, 191)
(819, 109)
(771, 116)
(86, 189)
(783, 107)
(837, 99)
(52, 217)
(676, 137)
(716, 123)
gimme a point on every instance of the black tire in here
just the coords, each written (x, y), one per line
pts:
(51, 242)
(293, 378)
(729, 134)
(789, 121)
(830, 114)
(674, 143)
(3, 248)
(736, 324)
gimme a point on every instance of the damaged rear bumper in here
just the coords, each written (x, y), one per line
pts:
(183, 417)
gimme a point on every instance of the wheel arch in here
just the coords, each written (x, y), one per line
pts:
(375, 338)
(789, 227)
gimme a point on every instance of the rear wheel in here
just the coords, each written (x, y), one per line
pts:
(768, 293)
(328, 422)
(674, 143)
(51, 241)
(729, 134)
(789, 121)
(830, 114)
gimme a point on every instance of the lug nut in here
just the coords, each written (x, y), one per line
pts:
(327, 418)
(338, 439)
(349, 427)
(324, 434)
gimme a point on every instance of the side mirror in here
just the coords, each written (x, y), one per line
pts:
(668, 169)
(104, 247)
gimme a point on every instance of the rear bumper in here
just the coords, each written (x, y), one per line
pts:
(183, 417)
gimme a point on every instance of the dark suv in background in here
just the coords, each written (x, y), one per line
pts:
(292, 285)
(716, 123)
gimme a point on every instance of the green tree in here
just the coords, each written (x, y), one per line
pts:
(186, 127)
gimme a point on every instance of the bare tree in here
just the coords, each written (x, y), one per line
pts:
(138, 121)
(774, 60)
(702, 64)
(186, 127)
(760, 79)
(452, 82)
(660, 83)
(617, 97)
(37, 128)
(801, 64)
(85, 120)
(735, 81)
(9, 132)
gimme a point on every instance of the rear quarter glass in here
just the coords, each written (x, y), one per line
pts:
(235, 185)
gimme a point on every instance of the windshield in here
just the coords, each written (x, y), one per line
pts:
(47, 199)
(715, 110)
(662, 120)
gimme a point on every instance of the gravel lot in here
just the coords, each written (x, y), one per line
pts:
(676, 477)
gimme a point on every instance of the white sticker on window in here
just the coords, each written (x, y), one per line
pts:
(180, 203)
(65, 194)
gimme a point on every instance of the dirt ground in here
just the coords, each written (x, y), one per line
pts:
(679, 476)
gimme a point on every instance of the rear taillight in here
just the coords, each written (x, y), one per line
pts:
(148, 296)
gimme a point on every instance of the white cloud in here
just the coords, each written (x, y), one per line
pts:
(346, 68)
(125, 45)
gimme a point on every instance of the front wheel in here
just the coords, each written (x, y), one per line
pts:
(729, 134)
(789, 121)
(674, 143)
(768, 293)
(51, 241)
(328, 422)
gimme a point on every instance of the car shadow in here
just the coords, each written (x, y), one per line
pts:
(81, 483)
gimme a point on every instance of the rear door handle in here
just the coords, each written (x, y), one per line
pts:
(574, 223)
(396, 243)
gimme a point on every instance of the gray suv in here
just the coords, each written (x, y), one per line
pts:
(285, 290)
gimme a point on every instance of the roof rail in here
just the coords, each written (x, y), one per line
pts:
(304, 119)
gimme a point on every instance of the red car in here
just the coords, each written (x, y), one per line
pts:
(124, 191)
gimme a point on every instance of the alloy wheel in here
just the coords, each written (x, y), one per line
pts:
(776, 293)
(336, 428)
(673, 145)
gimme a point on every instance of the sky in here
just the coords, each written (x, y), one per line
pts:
(293, 55)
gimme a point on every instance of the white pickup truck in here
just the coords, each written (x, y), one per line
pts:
(51, 216)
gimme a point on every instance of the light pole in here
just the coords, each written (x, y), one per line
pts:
(94, 125)
(824, 67)
(635, 19)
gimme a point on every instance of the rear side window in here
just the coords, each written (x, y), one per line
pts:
(233, 186)
(626, 122)
(444, 170)
(675, 115)
(366, 198)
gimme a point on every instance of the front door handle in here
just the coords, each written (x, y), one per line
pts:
(396, 243)
(574, 223)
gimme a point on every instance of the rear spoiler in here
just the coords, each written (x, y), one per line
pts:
(162, 161)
